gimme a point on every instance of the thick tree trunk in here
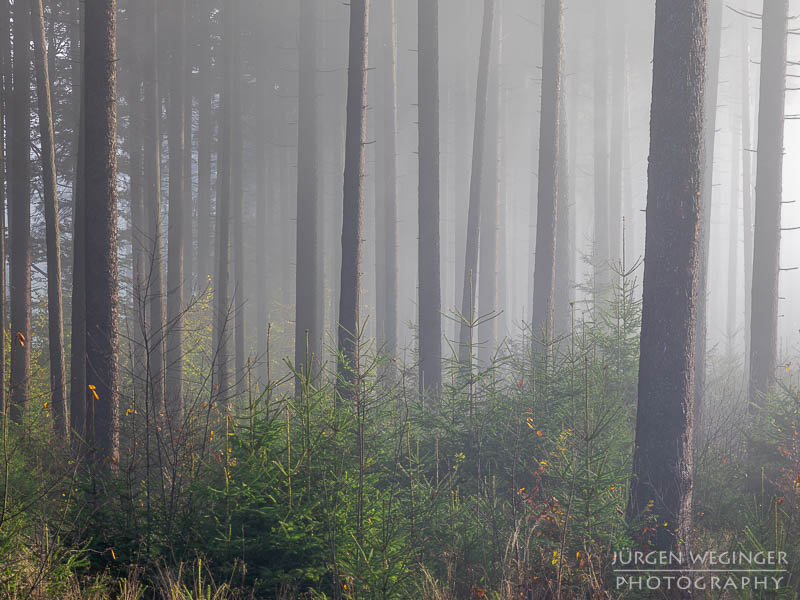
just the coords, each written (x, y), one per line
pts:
(565, 244)
(353, 202)
(386, 179)
(308, 329)
(662, 462)
(153, 269)
(470, 279)
(547, 203)
(769, 172)
(429, 257)
(177, 216)
(78, 390)
(58, 379)
(602, 254)
(101, 220)
(20, 216)
(204, 141)
(714, 44)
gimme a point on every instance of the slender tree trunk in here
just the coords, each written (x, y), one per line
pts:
(101, 220)
(714, 44)
(547, 203)
(222, 326)
(177, 216)
(353, 204)
(619, 67)
(747, 193)
(308, 330)
(20, 216)
(153, 270)
(733, 238)
(602, 248)
(769, 172)
(78, 391)
(470, 278)
(58, 379)
(238, 226)
(204, 128)
(386, 178)
(5, 93)
(662, 461)
(188, 113)
(262, 111)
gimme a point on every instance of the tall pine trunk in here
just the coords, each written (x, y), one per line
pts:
(58, 379)
(733, 239)
(101, 220)
(563, 293)
(618, 50)
(263, 167)
(470, 279)
(602, 253)
(177, 216)
(712, 86)
(204, 142)
(5, 91)
(308, 329)
(20, 216)
(747, 191)
(353, 202)
(239, 280)
(547, 202)
(662, 461)
(769, 173)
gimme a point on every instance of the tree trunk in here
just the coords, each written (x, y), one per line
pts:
(602, 256)
(78, 390)
(565, 244)
(101, 220)
(153, 270)
(769, 173)
(20, 216)
(353, 202)
(470, 278)
(238, 226)
(177, 216)
(547, 203)
(5, 122)
(386, 178)
(58, 379)
(188, 113)
(308, 329)
(619, 67)
(262, 112)
(222, 327)
(204, 141)
(662, 461)
(747, 192)
(733, 239)
(714, 43)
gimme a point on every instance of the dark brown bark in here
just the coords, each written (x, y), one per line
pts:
(712, 86)
(353, 202)
(547, 202)
(769, 173)
(177, 216)
(101, 221)
(470, 279)
(58, 379)
(308, 329)
(386, 179)
(20, 216)
(662, 461)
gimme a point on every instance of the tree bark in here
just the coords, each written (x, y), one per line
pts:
(177, 216)
(308, 329)
(262, 112)
(58, 380)
(101, 221)
(733, 239)
(769, 174)
(712, 86)
(662, 461)
(20, 217)
(602, 256)
(563, 293)
(204, 129)
(188, 113)
(747, 192)
(353, 202)
(547, 203)
(238, 226)
(5, 122)
(619, 67)
(470, 278)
